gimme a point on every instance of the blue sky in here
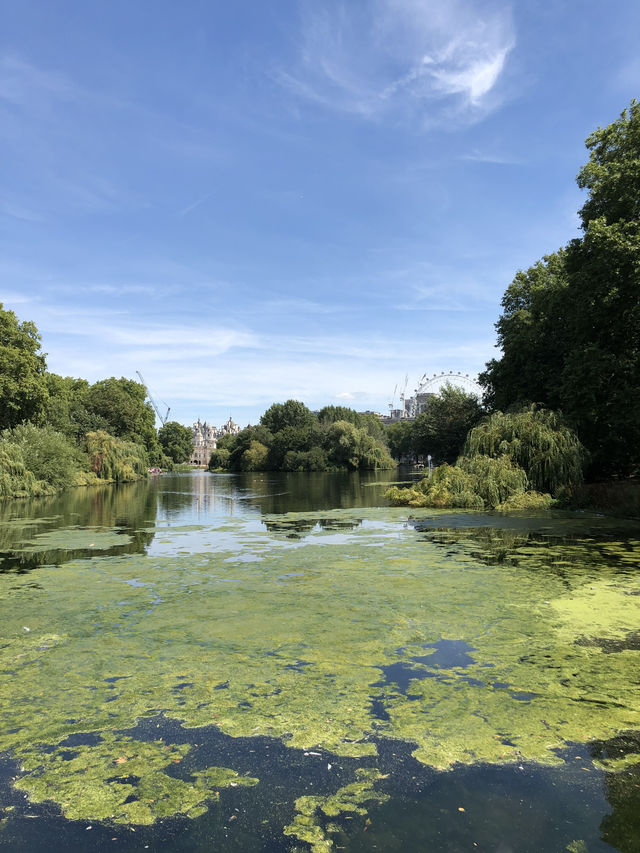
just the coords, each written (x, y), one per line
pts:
(251, 201)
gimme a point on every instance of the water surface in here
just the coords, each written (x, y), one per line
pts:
(275, 662)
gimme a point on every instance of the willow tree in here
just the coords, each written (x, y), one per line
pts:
(537, 440)
(114, 459)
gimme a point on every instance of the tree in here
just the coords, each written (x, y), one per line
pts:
(400, 440)
(121, 403)
(532, 336)
(66, 410)
(113, 459)
(289, 414)
(535, 439)
(570, 330)
(23, 390)
(176, 441)
(440, 430)
(242, 442)
(352, 448)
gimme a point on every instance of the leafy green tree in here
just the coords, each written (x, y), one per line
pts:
(352, 448)
(331, 414)
(176, 441)
(254, 458)
(532, 336)
(66, 410)
(570, 330)
(242, 442)
(293, 439)
(23, 389)
(219, 459)
(121, 403)
(441, 429)
(400, 440)
(289, 414)
(368, 421)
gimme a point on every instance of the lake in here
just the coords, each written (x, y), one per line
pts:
(278, 662)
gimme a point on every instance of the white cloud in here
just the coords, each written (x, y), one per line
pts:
(427, 59)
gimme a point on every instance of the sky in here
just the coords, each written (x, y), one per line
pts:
(249, 202)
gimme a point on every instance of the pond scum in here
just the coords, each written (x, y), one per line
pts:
(482, 645)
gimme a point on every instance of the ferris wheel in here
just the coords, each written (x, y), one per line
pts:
(433, 383)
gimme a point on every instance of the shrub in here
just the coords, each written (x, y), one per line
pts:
(49, 455)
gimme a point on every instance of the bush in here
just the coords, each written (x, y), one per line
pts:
(16, 481)
(49, 455)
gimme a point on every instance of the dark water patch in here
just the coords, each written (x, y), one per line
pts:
(447, 655)
(610, 645)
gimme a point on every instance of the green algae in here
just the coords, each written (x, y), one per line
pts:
(121, 780)
(75, 539)
(309, 823)
(260, 635)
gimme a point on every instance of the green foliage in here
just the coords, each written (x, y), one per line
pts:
(495, 479)
(477, 483)
(537, 440)
(254, 458)
(304, 443)
(525, 502)
(289, 414)
(23, 389)
(399, 438)
(66, 410)
(372, 424)
(16, 481)
(49, 455)
(241, 442)
(121, 403)
(570, 328)
(176, 441)
(440, 430)
(113, 459)
(352, 448)
(219, 459)
(530, 334)
(503, 457)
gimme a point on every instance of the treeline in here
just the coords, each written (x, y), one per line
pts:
(290, 437)
(57, 432)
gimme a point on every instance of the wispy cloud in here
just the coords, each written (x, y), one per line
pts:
(421, 58)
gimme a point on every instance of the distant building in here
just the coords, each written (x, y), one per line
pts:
(205, 439)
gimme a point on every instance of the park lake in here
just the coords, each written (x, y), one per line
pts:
(276, 662)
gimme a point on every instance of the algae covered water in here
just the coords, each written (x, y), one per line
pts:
(280, 662)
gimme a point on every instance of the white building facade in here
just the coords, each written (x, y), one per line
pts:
(205, 439)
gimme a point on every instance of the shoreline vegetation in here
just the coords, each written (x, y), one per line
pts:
(559, 423)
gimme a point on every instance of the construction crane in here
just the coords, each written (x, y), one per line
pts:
(162, 420)
(393, 400)
(403, 396)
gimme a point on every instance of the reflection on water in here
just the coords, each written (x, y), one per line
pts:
(290, 629)
(49, 530)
